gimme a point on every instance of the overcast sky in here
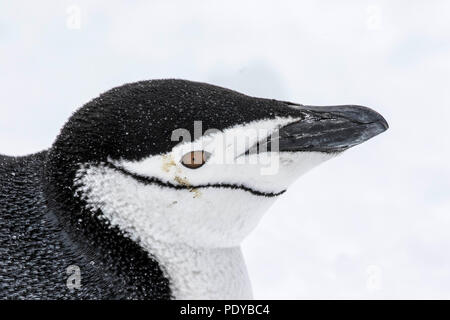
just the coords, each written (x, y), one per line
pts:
(373, 223)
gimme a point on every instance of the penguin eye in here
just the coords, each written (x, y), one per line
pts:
(194, 159)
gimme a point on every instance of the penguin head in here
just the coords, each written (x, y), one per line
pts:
(185, 162)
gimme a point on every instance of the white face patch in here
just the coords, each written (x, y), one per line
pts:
(179, 213)
(216, 205)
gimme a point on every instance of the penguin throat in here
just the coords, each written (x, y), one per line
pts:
(202, 273)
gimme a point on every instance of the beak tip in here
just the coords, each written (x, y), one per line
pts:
(376, 117)
(384, 123)
(363, 115)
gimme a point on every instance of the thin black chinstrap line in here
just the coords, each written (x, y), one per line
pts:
(152, 180)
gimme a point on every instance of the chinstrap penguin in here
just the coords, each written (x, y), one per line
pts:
(146, 207)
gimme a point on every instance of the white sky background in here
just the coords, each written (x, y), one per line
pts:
(374, 223)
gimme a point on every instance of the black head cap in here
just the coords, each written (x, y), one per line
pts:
(136, 120)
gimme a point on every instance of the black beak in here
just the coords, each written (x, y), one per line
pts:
(330, 129)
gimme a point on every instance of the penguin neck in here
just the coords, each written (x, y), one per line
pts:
(190, 272)
(97, 241)
(202, 273)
